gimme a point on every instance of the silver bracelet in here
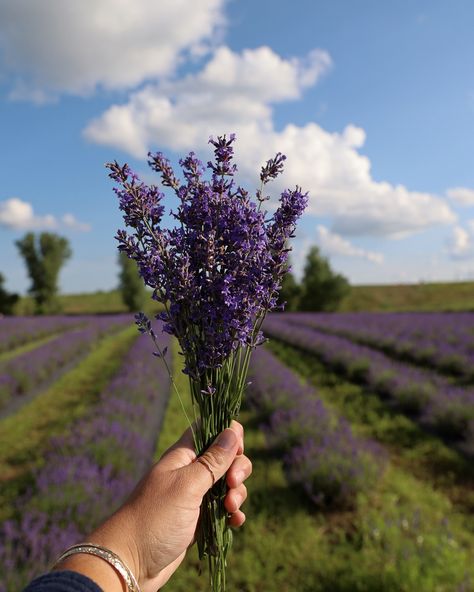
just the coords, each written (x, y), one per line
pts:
(107, 555)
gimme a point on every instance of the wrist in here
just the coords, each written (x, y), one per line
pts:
(96, 569)
(116, 535)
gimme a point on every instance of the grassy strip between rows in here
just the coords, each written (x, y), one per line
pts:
(29, 346)
(24, 435)
(412, 448)
(453, 376)
(175, 423)
(403, 537)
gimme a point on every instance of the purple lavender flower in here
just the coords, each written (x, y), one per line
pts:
(426, 395)
(220, 269)
(321, 453)
(88, 471)
(444, 341)
(16, 331)
(31, 370)
(217, 273)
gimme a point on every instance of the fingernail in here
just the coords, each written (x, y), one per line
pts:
(227, 439)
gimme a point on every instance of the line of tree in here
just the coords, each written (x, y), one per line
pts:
(131, 286)
(320, 289)
(7, 299)
(44, 256)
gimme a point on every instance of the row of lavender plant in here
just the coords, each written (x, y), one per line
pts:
(32, 369)
(320, 451)
(442, 340)
(89, 471)
(435, 403)
(16, 331)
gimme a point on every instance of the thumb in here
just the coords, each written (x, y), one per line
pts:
(214, 463)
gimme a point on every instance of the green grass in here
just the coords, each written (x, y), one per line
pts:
(404, 536)
(24, 435)
(26, 347)
(415, 450)
(99, 302)
(93, 303)
(449, 296)
(175, 421)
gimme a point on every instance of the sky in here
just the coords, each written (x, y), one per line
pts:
(372, 103)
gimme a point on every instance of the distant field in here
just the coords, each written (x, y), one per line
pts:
(91, 303)
(415, 297)
(363, 477)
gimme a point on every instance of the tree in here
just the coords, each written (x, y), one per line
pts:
(130, 284)
(289, 293)
(321, 288)
(44, 256)
(7, 300)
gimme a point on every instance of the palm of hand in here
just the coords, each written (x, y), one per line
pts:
(168, 529)
(161, 515)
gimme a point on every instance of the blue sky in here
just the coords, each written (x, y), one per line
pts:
(373, 103)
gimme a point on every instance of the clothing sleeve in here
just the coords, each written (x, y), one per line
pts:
(62, 581)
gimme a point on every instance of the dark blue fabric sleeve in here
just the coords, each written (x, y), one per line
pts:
(62, 581)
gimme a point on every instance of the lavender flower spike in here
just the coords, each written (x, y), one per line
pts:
(216, 273)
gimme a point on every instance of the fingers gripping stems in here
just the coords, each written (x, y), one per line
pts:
(205, 464)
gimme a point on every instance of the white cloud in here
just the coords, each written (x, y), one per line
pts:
(333, 244)
(232, 92)
(71, 222)
(235, 93)
(461, 195)
(56, 46)
(17, 214)
(460, 245)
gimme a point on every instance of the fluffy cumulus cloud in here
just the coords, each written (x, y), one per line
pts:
(233, 92)
(461, 195)
(55, 46)
(237, 92)
(334, 244)
(461, 242)
(71, 222)
(17, 214)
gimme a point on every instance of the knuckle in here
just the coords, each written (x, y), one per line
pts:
(214, 458)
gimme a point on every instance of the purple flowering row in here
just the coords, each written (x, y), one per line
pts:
(321, 453)
(442, 340)
(431, 399)
(16, 331)
(32, 369)
(89, 471)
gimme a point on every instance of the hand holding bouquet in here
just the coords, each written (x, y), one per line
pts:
(217, 273)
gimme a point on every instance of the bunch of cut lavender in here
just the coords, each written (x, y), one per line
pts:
(216, 273)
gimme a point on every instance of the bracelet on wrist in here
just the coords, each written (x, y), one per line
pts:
(108, 556)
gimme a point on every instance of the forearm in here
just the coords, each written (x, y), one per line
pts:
(114, 536)
(96, 569)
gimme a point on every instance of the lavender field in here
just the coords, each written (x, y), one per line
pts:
(360, 427)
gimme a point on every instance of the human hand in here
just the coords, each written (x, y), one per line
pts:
(153, 529)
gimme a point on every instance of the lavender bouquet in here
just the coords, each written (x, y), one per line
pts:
(217, 273)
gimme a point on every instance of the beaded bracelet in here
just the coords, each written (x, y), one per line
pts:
(107, 555)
